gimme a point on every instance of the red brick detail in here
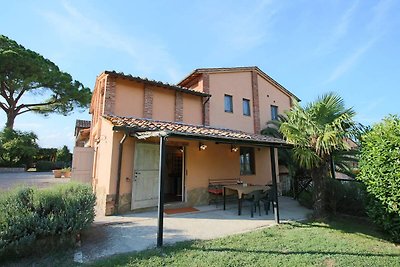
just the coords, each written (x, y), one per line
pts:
(256, 102)
(109, 98)
(206, 106)
(178, 106)
(148, 102)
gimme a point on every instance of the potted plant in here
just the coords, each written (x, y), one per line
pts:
(57, 173)
(66, 172)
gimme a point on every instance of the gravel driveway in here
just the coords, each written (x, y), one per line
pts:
(39, 179)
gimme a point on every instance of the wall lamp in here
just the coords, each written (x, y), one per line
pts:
(202, 146)
(181, 149)
(234, 148)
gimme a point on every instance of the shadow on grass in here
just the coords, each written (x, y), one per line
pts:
(346, 224)
(310, 252)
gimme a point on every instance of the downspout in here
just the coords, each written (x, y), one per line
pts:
(204, 110)
(120, 150)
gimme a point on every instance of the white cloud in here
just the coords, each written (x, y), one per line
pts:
(248, 27)
(375, 31)
(351, 60)
(148, 56)
(339, 31)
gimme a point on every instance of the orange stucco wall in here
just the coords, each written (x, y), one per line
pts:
(219, 162)
(192, 109)
(129, 98)
(163, 104)
(198, 85)
(270, 95)
(238, 85)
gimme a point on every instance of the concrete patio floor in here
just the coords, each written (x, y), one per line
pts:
(138, 231)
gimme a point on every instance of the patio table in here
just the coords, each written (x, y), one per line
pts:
(242, 190)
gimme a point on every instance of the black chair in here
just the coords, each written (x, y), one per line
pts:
(254, 199)
(267, 200)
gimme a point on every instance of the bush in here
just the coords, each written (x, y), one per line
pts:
(340, 196)
(43, 165)
(380, 171)
(306, 199)
(17, 148)
(28, 215)
(346, 197)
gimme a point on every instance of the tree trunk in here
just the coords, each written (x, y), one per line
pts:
(10, 119)
(318, 178)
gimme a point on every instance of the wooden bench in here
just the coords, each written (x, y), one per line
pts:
(216, 188)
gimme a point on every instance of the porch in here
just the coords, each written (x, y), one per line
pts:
(138, 231)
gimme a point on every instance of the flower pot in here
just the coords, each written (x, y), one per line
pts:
(57, 173)
(66, 174)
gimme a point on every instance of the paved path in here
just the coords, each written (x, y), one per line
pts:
(135, 232)
(39, 179)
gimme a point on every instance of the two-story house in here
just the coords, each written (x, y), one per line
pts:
(209, 124)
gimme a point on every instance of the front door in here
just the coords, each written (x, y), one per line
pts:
(145, 176)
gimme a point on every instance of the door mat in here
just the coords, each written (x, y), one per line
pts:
(180, 210)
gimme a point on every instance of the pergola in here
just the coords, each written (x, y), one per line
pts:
(145, 128)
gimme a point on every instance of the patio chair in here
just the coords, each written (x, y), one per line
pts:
(254, 199)
(267, 200)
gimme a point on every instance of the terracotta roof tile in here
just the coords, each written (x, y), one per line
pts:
(82, 124)
(193, 130)
(156, 83)
(196, 73)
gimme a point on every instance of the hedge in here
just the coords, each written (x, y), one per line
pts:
(380, 172)
(29, 214)
(44, 165)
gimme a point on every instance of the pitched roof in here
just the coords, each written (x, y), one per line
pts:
(198, 72)
(188, 130)
(82, 124)
(155, 83)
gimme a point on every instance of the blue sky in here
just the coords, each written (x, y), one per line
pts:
(310, 47)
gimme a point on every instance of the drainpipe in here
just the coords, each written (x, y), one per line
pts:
(204, 110)
(120, 149)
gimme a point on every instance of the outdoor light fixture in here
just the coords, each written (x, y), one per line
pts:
(234, 148)
(202, 146)
(181, 149)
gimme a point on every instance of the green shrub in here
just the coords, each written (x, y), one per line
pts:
(306, 199)
(44, 165)
(346, 197)
(340, 196)
(380, 172)
(28, 215)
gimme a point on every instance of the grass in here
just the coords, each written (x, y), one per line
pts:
(341, 242)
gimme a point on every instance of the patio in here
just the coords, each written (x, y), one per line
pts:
(138, 231)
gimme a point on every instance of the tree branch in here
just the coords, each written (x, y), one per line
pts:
(20, 95)
(24, 111)
(37, 104)
(28, 106)
(3, 106)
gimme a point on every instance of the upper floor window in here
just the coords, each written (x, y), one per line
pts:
(246, 107)
(228, 103)
(274, 112)
(247, 165)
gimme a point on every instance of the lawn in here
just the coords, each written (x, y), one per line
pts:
(341, 242)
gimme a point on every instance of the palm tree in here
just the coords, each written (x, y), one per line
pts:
(316, 132)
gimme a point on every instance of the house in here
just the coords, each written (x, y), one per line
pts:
(205, 127)
(81, 133)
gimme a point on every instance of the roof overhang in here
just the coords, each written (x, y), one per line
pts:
(143, 134)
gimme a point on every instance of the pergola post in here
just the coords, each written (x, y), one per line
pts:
(162, 173)
(274, 184)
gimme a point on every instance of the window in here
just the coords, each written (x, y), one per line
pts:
(246, 107)
(274, 112)
(247, 160)
(228, 103)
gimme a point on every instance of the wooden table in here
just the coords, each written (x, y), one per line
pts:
(242, 190)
